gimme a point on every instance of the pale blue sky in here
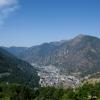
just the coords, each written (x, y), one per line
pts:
(38, 21)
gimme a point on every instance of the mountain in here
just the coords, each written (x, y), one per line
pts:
(13, 70)
(15, 50)
(79, 56)
(37, 54)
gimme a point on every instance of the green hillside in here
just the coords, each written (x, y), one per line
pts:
(13, 70)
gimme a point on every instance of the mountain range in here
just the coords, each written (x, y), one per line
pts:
(79, 56)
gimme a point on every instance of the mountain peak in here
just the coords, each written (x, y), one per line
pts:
(80, 36)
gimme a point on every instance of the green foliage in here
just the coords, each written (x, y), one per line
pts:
(15, 92)
(20, 92)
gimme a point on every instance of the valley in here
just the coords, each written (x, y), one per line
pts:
(63, 63)
(49, 49)
(51, 76)
(68, 70)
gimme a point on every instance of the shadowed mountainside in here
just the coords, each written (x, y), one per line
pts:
(13, 70)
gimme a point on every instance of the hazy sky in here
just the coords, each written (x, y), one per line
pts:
(31, 22)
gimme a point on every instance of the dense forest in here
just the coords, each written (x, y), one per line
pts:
(20, 92)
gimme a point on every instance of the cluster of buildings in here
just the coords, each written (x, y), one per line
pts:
(49, 76)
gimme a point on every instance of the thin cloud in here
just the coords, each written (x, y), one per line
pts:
(7, 7)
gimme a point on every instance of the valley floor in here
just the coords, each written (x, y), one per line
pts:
(51, 76)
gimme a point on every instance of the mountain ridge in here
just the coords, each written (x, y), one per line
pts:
(78, 55)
